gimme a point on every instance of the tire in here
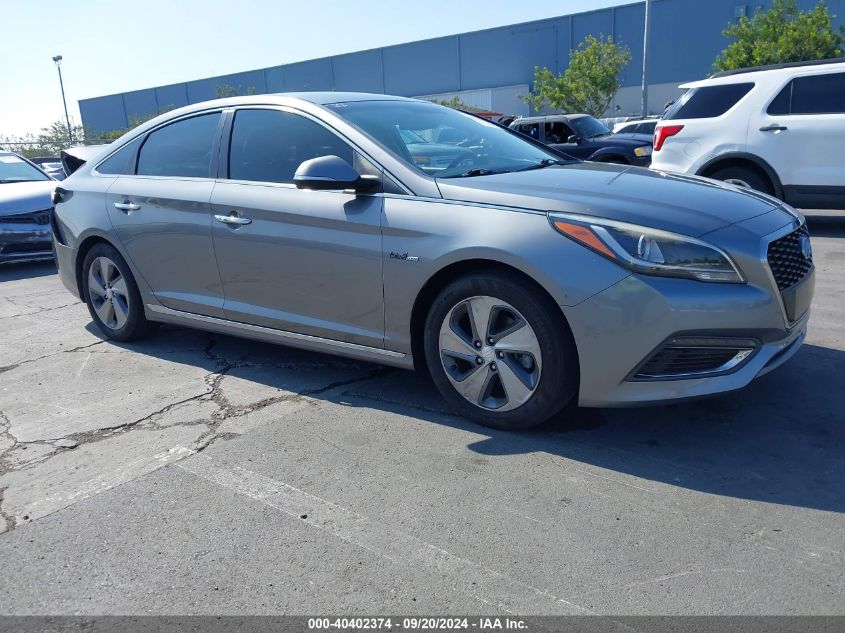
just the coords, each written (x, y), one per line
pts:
(112, 295)
(744, 177)
(495, 385)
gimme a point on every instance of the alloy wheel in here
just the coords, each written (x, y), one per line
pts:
(490, 353)
(108, 292)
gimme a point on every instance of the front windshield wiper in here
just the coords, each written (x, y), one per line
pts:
(546, 162)
(7, 180)
(475, 171)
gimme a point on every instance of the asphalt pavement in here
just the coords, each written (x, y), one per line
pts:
(199, 474)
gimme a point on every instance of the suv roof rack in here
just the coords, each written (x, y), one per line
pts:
(754, 69)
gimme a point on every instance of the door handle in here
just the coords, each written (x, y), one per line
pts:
(232, 219)
(774, 128)
(127, 206)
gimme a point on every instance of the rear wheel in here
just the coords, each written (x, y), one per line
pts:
(744, 177)
(112, 295)
(499, 352)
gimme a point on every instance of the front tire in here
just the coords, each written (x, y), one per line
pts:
(112, 295)
(500, 352)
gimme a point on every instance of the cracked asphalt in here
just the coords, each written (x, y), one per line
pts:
(199, 474)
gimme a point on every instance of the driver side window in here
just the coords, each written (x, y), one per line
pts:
(557, 132)
(269, 145)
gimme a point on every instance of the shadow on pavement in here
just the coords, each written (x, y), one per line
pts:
(780, 440)
(26, 270)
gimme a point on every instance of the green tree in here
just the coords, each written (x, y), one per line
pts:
(454, 102)
(225, 90)
(134, 122)
(589, 83)
(782, 34)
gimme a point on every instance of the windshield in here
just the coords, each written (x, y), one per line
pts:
(588, 127)
(443, 142)
(15, 169)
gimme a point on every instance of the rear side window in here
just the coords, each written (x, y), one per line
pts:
(529, 129)
(818, 94)
(269, 145)
(180, 149)
(122, 162)
(707, 102)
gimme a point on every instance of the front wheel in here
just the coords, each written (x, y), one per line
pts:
(500, 352)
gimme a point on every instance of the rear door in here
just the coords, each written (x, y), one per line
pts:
(303, 261)
(801, 133)
(162, 216)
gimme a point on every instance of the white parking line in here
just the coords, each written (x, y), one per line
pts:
(475, 580)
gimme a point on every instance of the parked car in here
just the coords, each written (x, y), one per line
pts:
(777, 129)
(24, 210)
(522, 282)
(52, 165)
(585, 137)
(637, 126)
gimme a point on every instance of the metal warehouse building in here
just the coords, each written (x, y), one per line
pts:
(487, 69)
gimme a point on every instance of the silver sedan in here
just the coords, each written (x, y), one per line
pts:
(414, 235)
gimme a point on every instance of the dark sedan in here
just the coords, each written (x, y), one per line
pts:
(24, 210)
(585, 137)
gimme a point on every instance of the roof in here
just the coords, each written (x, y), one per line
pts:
(759, 72)
(549, 117)
(752, 69)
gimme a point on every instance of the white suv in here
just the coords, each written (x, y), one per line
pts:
(778, 129)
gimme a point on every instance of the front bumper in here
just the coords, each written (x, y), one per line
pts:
(619, 327)
(25, 242)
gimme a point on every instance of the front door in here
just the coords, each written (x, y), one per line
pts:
(301, 261)
(162, 215)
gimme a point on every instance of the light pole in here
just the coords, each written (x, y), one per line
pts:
(645, 57)
(58, 60)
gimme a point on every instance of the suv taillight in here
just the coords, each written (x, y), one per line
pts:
(662, 132)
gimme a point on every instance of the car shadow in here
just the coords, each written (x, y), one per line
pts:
(829, 224)
(15, 271)
(780, 440)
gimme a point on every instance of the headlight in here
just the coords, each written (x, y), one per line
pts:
(649, 251)
(645, 150)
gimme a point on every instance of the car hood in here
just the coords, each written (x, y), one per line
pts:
(626, 140)
(22, 197)
(682, 204)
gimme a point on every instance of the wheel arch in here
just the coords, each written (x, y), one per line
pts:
(609, 155)
(444, 276)
(82, 250)
(742, 159)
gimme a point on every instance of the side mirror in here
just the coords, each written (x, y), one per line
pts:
(574, 138)
(330, 173)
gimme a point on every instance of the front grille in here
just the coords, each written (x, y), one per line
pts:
(686, 357)
(787, 260)
(39, 217)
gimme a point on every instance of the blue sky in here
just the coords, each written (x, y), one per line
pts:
(114, 45)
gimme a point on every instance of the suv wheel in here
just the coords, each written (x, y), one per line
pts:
(744, 177)
(112, 295)
(498, 353)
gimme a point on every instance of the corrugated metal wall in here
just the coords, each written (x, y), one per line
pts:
(686, 37)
